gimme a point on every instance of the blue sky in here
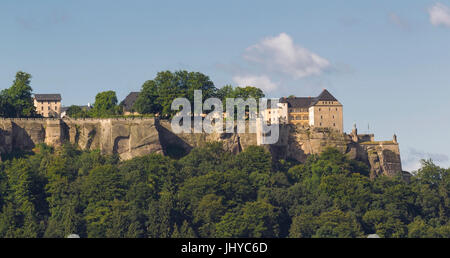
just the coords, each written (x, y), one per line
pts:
(388, 62)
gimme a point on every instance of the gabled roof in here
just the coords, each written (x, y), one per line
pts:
(128, 102)
(324, 96)
(297, 102)
(305, 102)
(47, 97)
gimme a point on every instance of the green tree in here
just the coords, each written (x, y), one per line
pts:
(225, 92)
(160, 216)
(76, 112)
(337, 224)
(209, 211)
(28, 196)
(228, 91)
(10, 221)
(6, 108)
(147, 100)
(303, 226)
(157, 95)
(419, 229)
(17, 100)
(105, 105)
(248, 92)
(384, 223)
(254, 219)
(185, 231)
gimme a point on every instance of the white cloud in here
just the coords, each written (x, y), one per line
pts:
(263, 82)
(439, 15)
(413, 157)
(280, 54)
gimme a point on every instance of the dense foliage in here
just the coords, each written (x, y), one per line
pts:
(212, 193)
(77, 112)
(156, 95)
(105, 105)
(16, 101)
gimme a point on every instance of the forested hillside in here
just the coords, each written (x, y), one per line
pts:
(213, 193)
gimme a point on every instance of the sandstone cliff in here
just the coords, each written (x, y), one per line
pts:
(135, 137)
(127, 137)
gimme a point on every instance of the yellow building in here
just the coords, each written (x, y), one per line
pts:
(326, 111)
(322, 111)
(298, 109)
(48, 105)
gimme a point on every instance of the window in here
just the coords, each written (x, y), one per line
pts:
(56, 108)
(333, 117)
(319, 109)
(320, 124)
(321, 117)
(48, 107)
(334, 124)
(42, 108)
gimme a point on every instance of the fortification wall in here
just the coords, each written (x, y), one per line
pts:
(126, 137)
(132, 137)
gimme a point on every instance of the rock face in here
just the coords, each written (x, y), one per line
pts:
(382, 157)
(127, 137)
(136, 137)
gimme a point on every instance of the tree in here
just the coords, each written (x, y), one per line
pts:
(228, 91)
(157, 95)
(103, 183)
(350, 193)
(248, 92)
(211, 157)
(225, 92)
(160, 217)
(17, 101)
(303, 226)
(208, 213)
(6, 108)
(10, 222)
(256, 162)
(76, 112)
(419, 229)
(28, 197)
(213, 193)
(102, 190)
(147, 100)
(384, 223)
(254, 219)
(185, 231)
(337, 224)
(105, 105)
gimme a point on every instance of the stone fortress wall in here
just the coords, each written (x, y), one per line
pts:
(132, 137)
